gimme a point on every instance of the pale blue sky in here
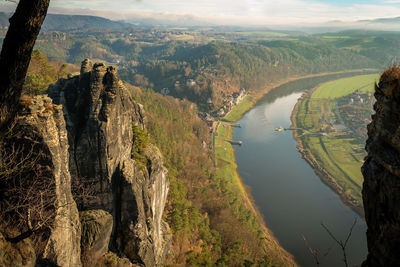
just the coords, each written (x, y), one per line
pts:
(241, 11)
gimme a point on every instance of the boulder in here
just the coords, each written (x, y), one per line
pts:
(96, 231)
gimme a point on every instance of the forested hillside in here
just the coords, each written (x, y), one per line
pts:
(207, 215)
(42, 73)
(215, 61)
(60, 22)
(220, 69)
(217, 68)
(209, 220)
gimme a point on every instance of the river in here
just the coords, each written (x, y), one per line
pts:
(292, 199)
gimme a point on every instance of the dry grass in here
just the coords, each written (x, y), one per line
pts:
(49, 107)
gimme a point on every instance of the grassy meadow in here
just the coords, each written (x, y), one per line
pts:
(237, 113)
(343, 87)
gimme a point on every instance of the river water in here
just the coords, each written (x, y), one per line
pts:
(292, 199)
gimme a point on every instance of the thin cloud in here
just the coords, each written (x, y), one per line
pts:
(231, 11)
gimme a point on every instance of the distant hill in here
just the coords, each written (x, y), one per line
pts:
(383, 20)
(380, 24)
(71, 22)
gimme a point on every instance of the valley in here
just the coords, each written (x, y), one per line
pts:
(169, 145)
(289, 195)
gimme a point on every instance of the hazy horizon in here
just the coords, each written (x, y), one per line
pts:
(248, 11)
(280, 13)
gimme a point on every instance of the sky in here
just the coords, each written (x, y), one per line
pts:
(233, 11)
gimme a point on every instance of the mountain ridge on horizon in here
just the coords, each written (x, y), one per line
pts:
(64, 22)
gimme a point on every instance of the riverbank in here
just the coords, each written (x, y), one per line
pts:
(252, 98)
(347, 198)
(226, 167)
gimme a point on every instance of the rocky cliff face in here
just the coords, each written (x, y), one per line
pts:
(99, 115)
(381, 170)
(86, 140)
(41, 125)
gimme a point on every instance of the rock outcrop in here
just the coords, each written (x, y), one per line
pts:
(20, 254)
(84, 141)
(41, 125)
(381, 170)
(97, 226)
(100, 114)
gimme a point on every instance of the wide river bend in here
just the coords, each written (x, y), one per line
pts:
(291, 198)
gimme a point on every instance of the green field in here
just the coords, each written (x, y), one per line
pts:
(343, 87)
(225, 157)
(337, 155)
(340, 154)
(263, 34)
(336, 37)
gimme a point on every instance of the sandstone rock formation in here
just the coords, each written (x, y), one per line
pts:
(21, 254)
(96, 231)
(381, 170)
(100, 114)
(43, 123)
(86, 138)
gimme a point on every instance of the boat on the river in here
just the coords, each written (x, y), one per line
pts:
(279, 129)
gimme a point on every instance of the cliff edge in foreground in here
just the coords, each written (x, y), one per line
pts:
(82, 186)
(381, 170)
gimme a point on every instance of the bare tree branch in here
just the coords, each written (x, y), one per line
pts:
(315, 252)
(340, 242)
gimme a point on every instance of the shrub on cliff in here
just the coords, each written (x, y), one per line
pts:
(42, 73)
(140, 143)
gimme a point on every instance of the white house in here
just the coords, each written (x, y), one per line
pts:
(190, 82)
